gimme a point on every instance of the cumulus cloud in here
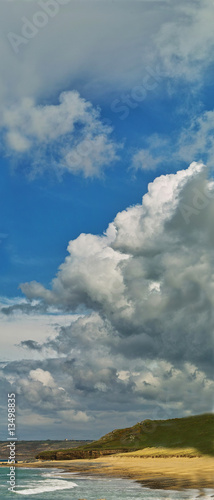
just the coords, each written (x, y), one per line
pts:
(42, 376)
(147, 284)
(68, 136)
(128, 274)
(91, 259)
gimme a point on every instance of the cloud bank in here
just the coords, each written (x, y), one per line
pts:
(145, 291)
(179, 36)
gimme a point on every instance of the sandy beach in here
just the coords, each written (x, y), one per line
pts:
(151, 469)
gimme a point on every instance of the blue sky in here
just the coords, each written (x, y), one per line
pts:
(102, 106)
(41, 215)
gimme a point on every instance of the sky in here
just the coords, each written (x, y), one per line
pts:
(107, 206)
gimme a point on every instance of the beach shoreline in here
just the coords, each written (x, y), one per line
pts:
(177, 473)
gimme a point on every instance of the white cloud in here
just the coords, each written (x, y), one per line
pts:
(66, 137)
(185, 45)
(144, 160)
(91, 259)
(42, 376)
(74, 416)
(195, 141)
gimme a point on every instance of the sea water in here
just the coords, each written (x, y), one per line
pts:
(53, 484)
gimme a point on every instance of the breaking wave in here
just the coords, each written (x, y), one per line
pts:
(47, 486)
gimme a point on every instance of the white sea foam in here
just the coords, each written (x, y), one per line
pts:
(47, 486)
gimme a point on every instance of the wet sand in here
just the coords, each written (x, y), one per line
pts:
(169, 472)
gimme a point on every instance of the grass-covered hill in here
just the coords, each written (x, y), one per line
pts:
(195, 432)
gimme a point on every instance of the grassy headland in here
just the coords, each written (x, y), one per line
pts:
(195, 434)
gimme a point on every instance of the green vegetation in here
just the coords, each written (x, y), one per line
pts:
(190, 432)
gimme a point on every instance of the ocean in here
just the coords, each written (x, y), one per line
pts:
(54, 484)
